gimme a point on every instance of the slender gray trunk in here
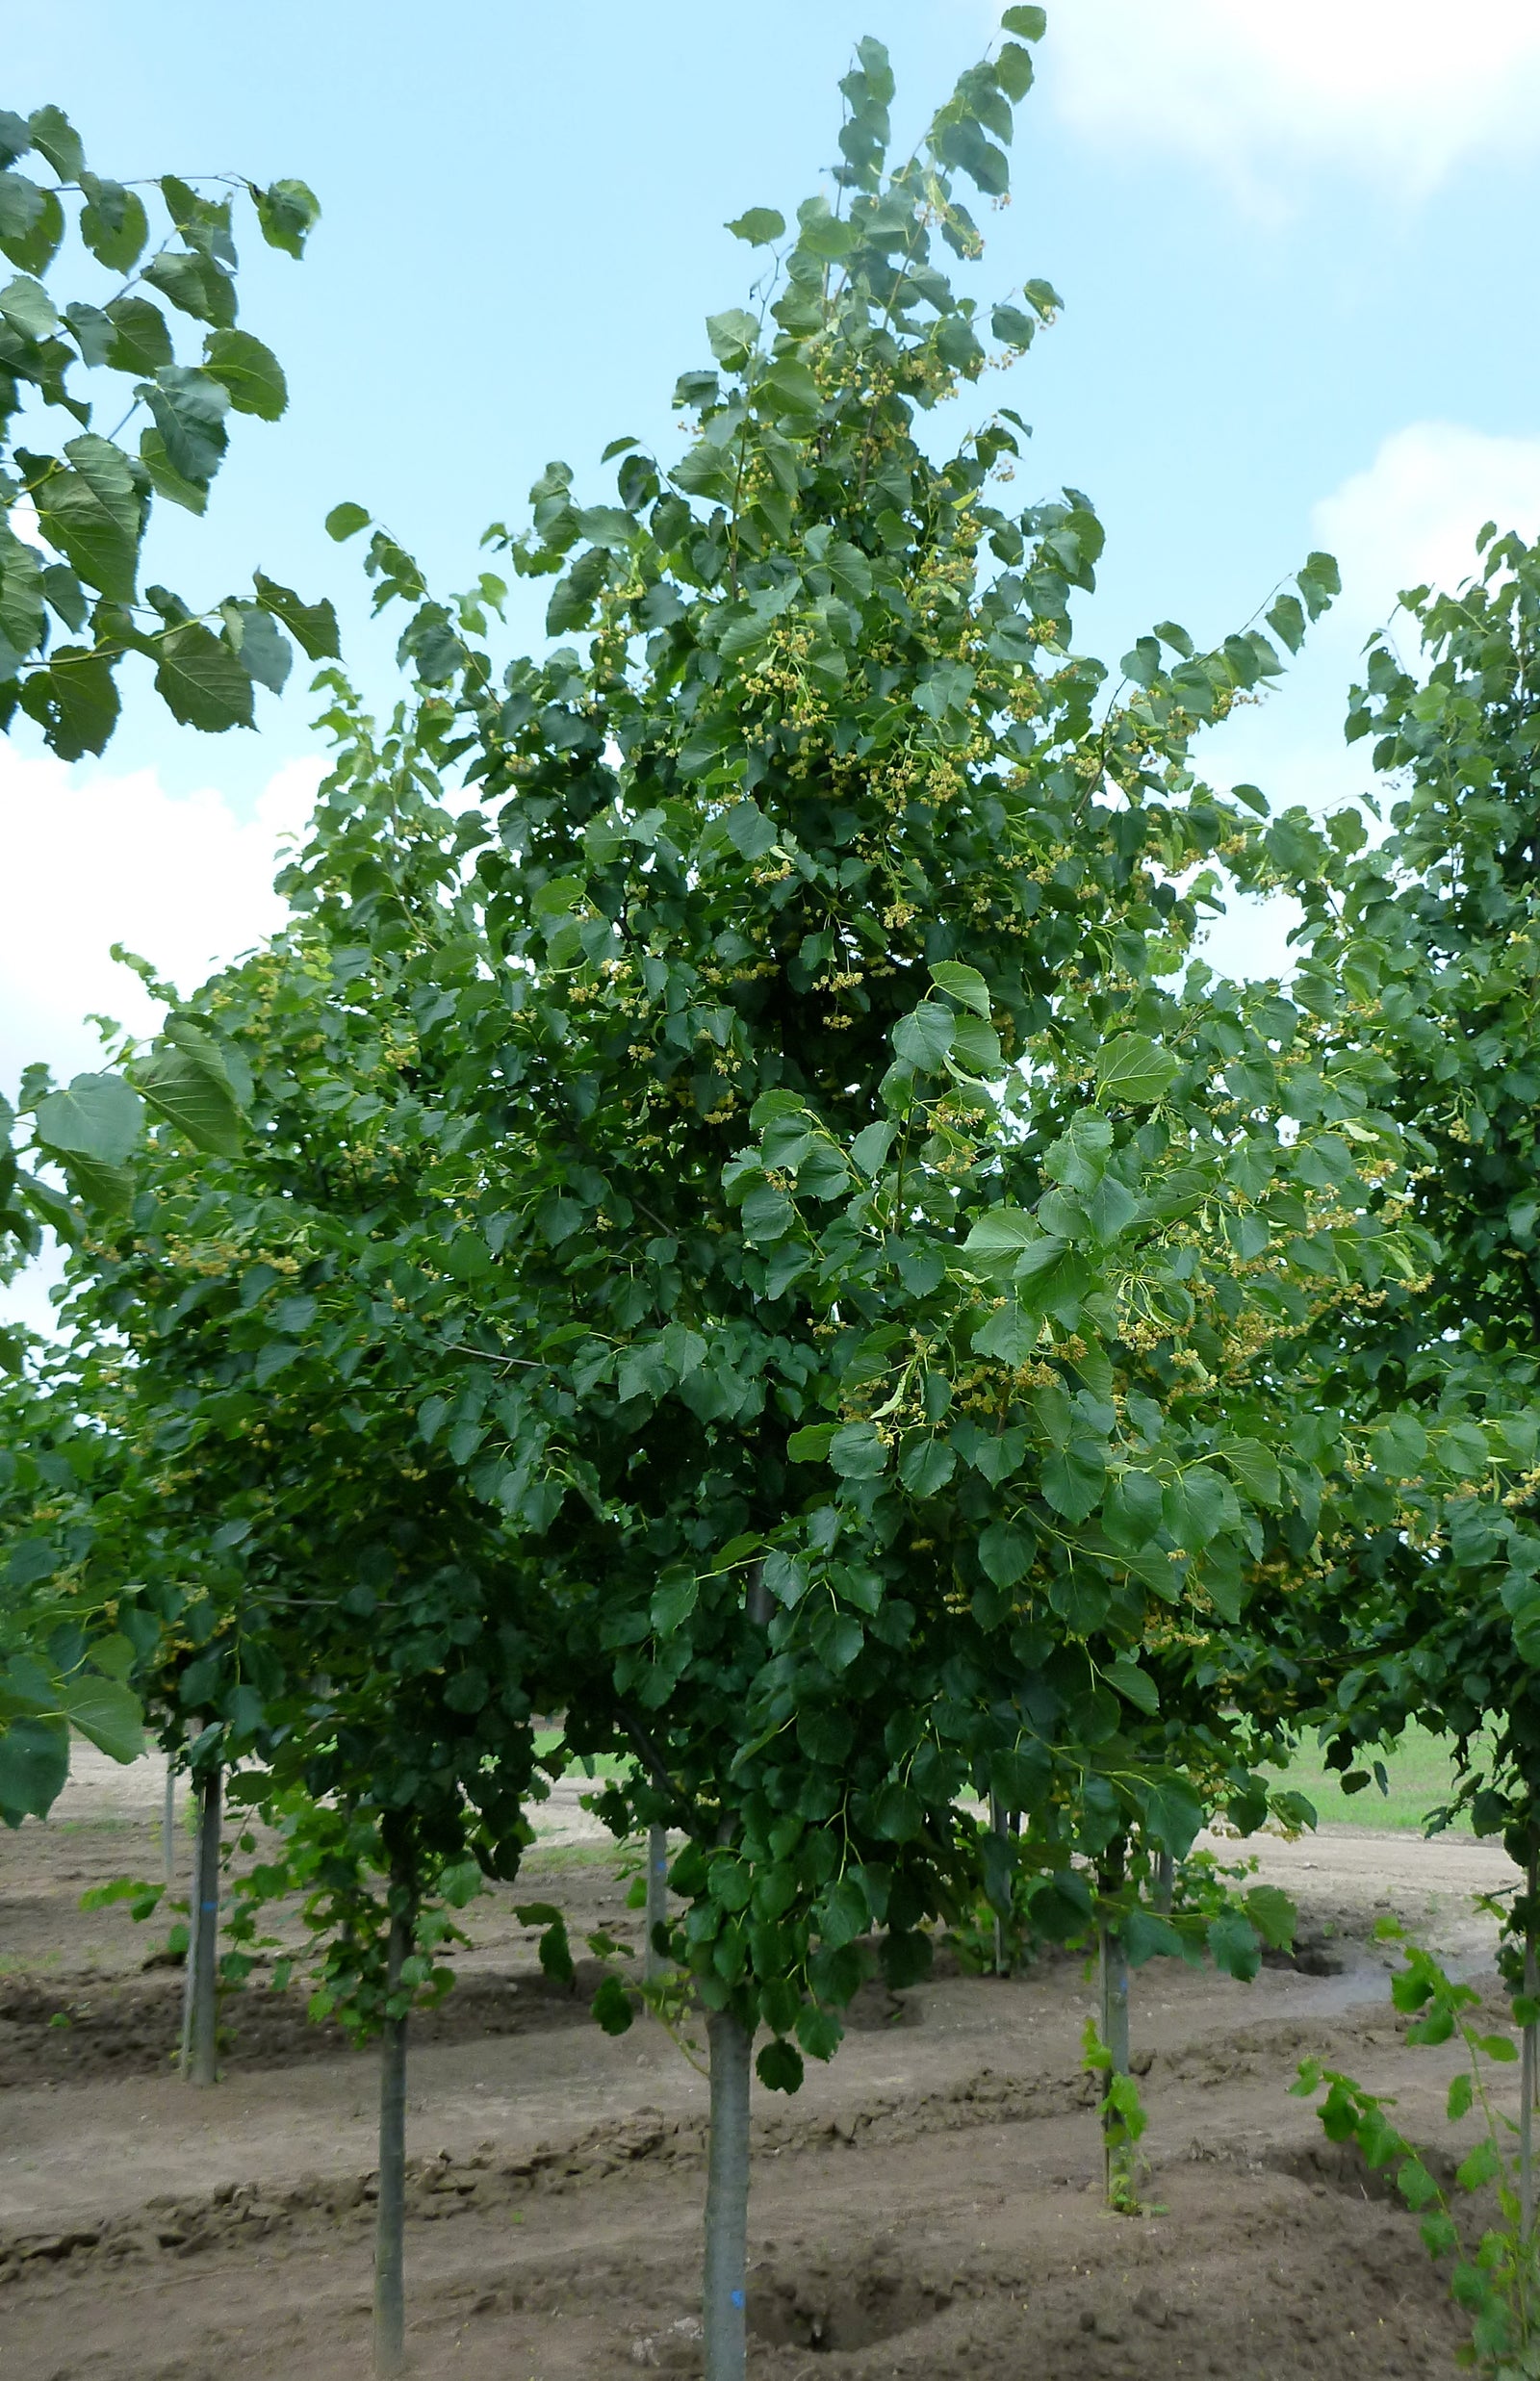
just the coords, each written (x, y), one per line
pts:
(654, 1963)
(1113, 1966)
(169, 1818)
(390, 2220)
(727, 2199)
(1002, 1823)
(1164, 1883)
(1528, 2076)
(200, 2046)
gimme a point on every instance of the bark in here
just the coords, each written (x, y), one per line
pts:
(727, 2199)
(389, 2221)
(1527, 2077)
(1114, 1965)
(654, 1964)
(1002, 1822)
(1164, 1883)
(169, 1819)
(200, 2045)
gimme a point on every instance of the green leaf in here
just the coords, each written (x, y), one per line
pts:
(142, 342)
(193, 283)
(189, 406)
(790, 388)
(923, 1038)
(1000, 1236)
(1174, 1815)
(673, 1603)
(288, 212)
(732, 334)
(264, 653)
(1287, 620)
(1010, 1334)
(1031, 23)
(1255, 1466)
(192, 495)
(93, 515)
(55, 138)
(1134, 1070)
(312, 626)
(1273, 1915)
(74, 701)
(778, 2064)
(100, 1117)
(1482, 2166)
(1234, 1946)
(871, 1145)
(810, 1443)
(963, 984)
(186, 1081)
(1075, 1479)
(748, 831)
(33, 1766)
(821, 233)
(1012, 328)
(26, 305)
(857, 1453)
(759, 227)
(345, 520)
(1006, 1553)
(250, 371)
(925, 1466)
(819, 2031)
(32, 222)
(21, 204)
(108, 1714)
(611, 2006)
(114, 224)
(201, 682)
(1135, 1685)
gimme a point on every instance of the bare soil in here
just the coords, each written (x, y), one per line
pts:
(929, 2204)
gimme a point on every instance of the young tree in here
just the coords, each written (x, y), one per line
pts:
(830, 833)
(331, 1605)
(1423, 956)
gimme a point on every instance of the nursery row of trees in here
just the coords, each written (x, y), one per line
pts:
(735, 1213)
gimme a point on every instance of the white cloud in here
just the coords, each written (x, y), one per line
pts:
(1396, 90)
(184, 881)
(1412, 516)
(1408, 519)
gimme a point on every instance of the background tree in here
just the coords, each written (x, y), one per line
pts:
(1424, 961)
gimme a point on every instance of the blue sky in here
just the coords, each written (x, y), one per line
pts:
(1296, 247)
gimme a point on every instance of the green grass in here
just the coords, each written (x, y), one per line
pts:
(585, 1764)
(1420, 1776)
(572, 1855)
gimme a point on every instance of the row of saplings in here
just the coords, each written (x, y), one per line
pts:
(1138, 1899)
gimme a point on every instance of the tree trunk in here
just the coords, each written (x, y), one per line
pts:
(169, 1819)
(389, 2221)
(1002, 1823)
(654, 1963)
(1114, 1965)
(1164, 1883)
(727, 2199)
(1528, 2076)
(200, 2047)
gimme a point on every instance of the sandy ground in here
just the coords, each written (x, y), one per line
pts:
(927, 2205)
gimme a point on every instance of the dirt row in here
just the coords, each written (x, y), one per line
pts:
(928, 2203)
